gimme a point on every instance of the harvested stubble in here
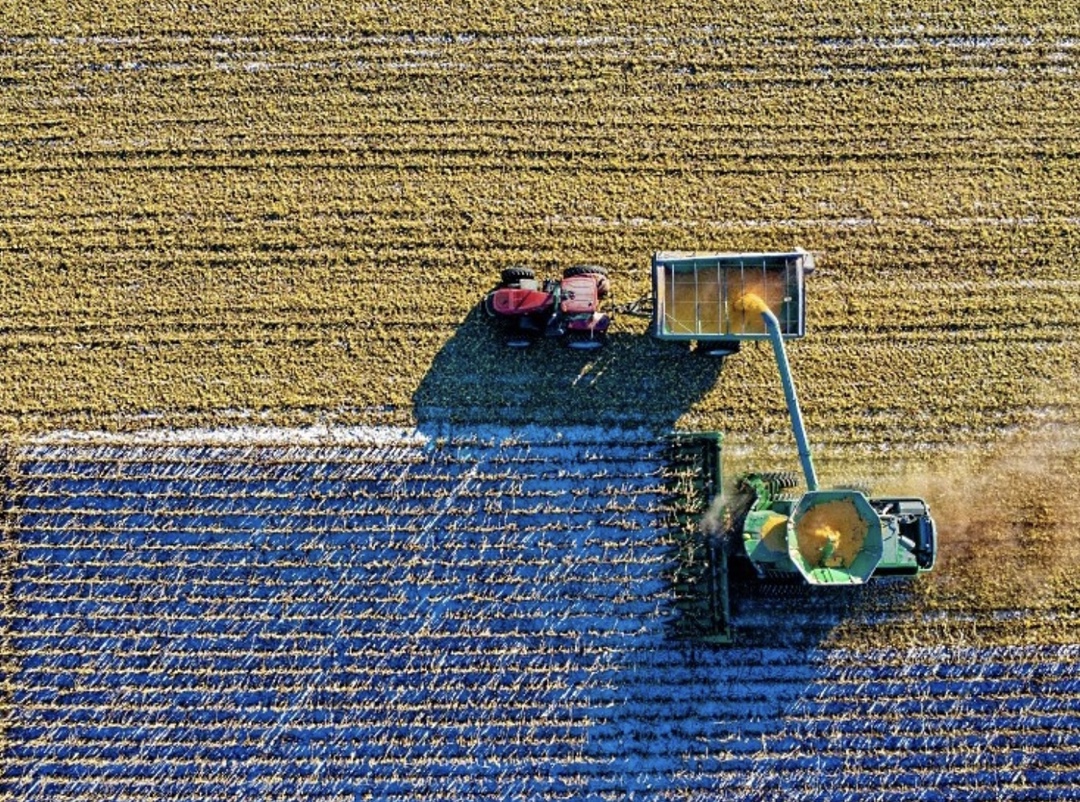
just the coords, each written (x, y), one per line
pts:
(304, 228)
(831, 534)
(232, 612)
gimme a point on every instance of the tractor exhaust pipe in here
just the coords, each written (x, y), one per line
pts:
(750, 302)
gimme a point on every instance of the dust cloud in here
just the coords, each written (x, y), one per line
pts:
(1008, 520)
(717, 518)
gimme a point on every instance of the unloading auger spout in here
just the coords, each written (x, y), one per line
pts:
(750, 302)
(838, 537)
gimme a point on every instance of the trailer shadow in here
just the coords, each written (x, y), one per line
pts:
(632, 380)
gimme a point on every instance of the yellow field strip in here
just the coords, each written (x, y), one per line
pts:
(298, 215)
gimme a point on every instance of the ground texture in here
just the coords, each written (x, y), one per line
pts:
(369, 552)
(268, 614)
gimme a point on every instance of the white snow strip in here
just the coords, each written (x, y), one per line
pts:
(324, 435)
(242, 435)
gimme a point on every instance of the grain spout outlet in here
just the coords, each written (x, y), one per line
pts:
(751, 302)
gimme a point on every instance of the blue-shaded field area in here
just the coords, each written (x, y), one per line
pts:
(481, 616)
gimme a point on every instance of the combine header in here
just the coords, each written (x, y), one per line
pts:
(835, 537)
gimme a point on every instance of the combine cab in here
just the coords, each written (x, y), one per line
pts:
(835, 537)
(568, 308)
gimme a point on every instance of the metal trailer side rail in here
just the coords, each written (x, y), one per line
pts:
(729, 276)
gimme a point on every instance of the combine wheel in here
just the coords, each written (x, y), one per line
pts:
(513, 275)
(858, 487)
(717, 349)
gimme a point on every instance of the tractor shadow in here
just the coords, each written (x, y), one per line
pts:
(634, 380)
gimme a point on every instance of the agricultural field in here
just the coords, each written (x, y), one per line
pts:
(282, 518)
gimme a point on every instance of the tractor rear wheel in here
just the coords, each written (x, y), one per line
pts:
(584, 341)
(512, 275)
(583, 270)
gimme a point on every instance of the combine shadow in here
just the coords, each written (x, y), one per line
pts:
(633, 380)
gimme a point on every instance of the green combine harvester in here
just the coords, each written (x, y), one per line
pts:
(831, 538)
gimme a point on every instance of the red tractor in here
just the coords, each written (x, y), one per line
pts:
(568, 308)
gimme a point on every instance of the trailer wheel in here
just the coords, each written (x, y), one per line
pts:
(513, 275)
(717, 350)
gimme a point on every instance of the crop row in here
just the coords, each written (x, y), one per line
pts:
(296, 213)
(1020, 381)
(841, 23)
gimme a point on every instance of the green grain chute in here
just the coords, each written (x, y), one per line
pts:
(832, 537)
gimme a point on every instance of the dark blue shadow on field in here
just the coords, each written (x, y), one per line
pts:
(634, 379)
(483, 618)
